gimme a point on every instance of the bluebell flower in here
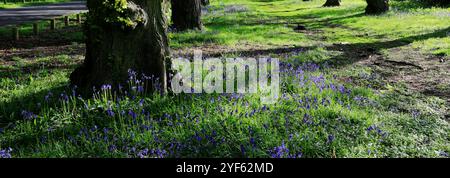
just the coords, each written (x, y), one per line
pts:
(132, 114)
(112, 148)
(28, 115)
(110, 112)
(330, 138)
(140, 89)
(6, 153)
(64, 97)
(242, 150)
(106, 87)
(252, 142)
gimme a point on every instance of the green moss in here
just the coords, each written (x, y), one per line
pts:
(113, 12)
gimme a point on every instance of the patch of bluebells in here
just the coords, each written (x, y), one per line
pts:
(153, 153)
(6, 153)
(377, 130)
(28, 115)
(283, 151)
(204, 138)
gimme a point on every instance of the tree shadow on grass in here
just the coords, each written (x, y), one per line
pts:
(359, 51)
(11, 108)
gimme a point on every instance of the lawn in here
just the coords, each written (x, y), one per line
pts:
(352, 86)
(19, 4)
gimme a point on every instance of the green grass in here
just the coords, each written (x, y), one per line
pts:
(9, 5)
(71, 33)
(326, 110)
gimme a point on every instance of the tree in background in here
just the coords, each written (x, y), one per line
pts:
(332, 3)
(205, 2)
(186, 15)
(377, 6)
(123, 35)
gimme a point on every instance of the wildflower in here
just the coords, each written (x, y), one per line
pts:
(64, 97)
(106, 87)
(132, 114)
(143, 153)
(28, 115)
(330, 139)
(242, 150)
(6, 153)
(252, 142)
(279, 152)
(110, 112)
(197, 137)
(112, 148)
(370, 128)
(140, 89)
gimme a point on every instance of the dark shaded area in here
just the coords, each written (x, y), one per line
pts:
(353, 52)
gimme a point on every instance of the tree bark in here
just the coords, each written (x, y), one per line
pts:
(112, 49)
(186, 15)
(377, 6)
(332, 3)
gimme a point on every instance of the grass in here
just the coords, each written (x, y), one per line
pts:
(327, 109)
(28, 4)
(71, 33)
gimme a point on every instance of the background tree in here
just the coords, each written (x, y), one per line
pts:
(123, 35)
(377, 6)
(331, 3)
(205, 2)
(186, 15)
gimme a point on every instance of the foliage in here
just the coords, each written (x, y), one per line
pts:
(325, 110)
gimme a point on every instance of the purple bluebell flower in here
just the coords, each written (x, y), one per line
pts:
(112, 148)
(64, 97)
(253, 142)
(330, 138)
(110, 112)
(140, 89)
(279, 151)
(28, 115)
(132, 114)
(6, 153)
(48, 96)
(243, 150)
(106, 87)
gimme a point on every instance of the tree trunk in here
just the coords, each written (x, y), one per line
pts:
(186, 15)
(377, 6)
(332, 3)
(113, 46)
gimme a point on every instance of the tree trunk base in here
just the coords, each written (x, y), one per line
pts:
(186, 15)
(332, 3)
(377, 6)
(111, 51)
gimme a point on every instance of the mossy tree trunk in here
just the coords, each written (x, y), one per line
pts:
(377, 6)
(186, 15)
(332, 3)
(117, 40)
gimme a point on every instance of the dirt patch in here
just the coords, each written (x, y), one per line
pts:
(426, 74)
(243, 50)
(37, 52)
